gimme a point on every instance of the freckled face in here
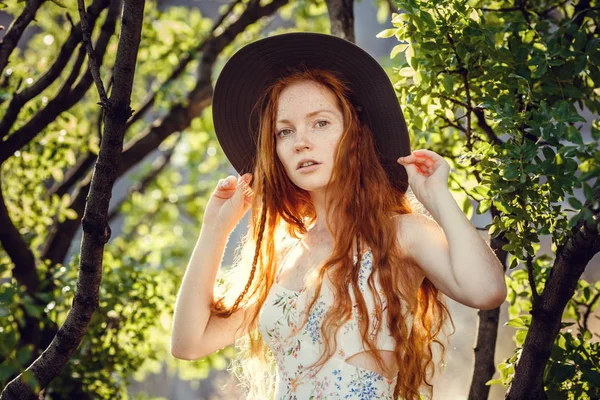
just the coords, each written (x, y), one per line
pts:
(309, 126)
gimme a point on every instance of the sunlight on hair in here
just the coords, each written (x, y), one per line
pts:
(282, 213)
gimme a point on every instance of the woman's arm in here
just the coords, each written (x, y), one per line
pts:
(192, 307)
(452, 254)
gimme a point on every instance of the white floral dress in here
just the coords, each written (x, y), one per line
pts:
(285, 309)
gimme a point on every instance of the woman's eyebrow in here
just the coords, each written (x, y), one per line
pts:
(310, 114)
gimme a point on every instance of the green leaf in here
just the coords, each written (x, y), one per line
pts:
(33, 310)
(428, 19)
(587, 190)
(511, 173)
(7, 294)
(400, 48)
(520, 337)
(386, 33)
(24, 354)
(539, 71)
(483, 206)
(448, 83)
(548, 153)
(71, 214)
(519, 322)
(561, 342)
(467, 207)
(493, 382)
(589, 175)
(575, 203)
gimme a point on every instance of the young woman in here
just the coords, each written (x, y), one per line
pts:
(337, 291)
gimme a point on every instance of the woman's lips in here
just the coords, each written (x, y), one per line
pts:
(308, 169)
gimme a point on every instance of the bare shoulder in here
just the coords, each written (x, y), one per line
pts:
(412, 228)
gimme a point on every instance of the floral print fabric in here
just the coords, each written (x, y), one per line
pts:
(285, 309)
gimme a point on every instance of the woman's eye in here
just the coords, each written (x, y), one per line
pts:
(280, 133)
(321, 126)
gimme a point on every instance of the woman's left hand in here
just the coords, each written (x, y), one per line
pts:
(427, 173)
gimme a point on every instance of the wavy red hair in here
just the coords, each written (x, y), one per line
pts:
(367, 203)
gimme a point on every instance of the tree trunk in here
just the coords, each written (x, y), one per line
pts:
(341, 18)
(96, 231)
(571, 260)
(487, 334)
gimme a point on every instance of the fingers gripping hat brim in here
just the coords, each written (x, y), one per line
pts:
(251, 70)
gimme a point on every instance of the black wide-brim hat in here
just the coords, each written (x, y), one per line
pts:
(253, 68)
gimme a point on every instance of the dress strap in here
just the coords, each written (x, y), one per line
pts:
(285, 259)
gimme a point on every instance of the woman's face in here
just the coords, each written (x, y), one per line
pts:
(309, 124)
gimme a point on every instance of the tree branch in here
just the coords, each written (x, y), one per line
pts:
(588, 311)
(66, 98)
(95, 225)
(15, 31)
(85, 163)
(531, 276)
(341, 18)
(464, 189)
(465, 76)
(521, 8)
(178, 119)
(572, 257)
(470, 109)
(487, 332)
(185, 60)
(21, 97)
(87, 41)
(24, 270)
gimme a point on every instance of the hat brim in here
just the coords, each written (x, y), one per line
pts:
(248, 73)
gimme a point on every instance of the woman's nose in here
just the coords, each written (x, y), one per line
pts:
(302, 141)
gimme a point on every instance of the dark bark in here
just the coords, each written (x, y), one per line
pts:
(178, 119)
(23, 96)
(95, 220)
(487, 334)
(341, 18)
(15, 31)
(81, 168)
(86, 36)
(571, 260)
(547, 308)
(24, 270)
(67, 96)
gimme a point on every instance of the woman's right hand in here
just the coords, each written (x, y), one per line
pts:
(228, 203)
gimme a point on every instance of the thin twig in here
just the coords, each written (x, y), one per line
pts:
(586, 316)
(534, 292)
(185, 60)
(464, 189)
(507, 9)
(93, 65)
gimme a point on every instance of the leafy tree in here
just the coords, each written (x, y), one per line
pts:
(499, 89)
(51, 131)
(481, 72)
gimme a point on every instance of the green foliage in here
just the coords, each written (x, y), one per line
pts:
(130, 332)
(500, 94)
(573, 371)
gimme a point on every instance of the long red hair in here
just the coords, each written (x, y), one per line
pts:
(365, 202)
